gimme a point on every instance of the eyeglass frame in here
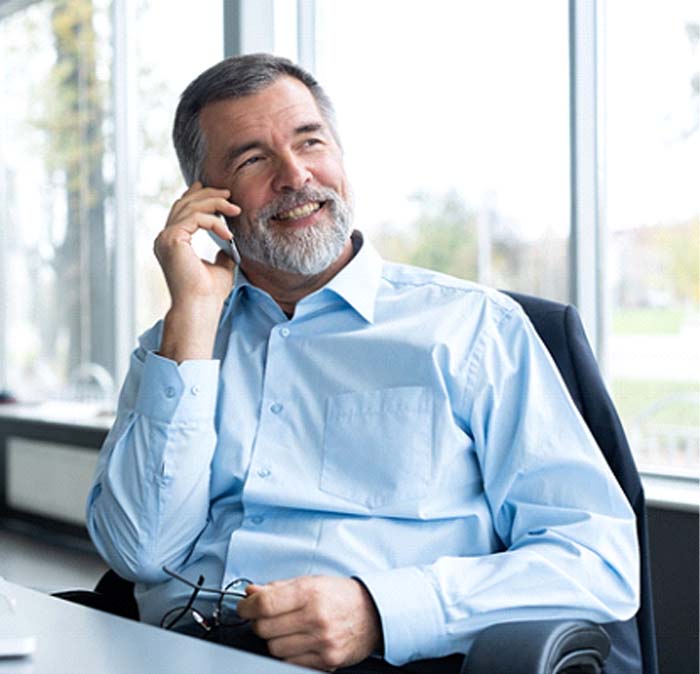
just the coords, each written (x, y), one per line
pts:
(198, 588)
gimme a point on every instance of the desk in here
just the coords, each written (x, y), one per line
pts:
(74, 639)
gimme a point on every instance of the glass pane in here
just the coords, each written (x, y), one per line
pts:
(57, 173)
(165, 66)
(652, 130)
(56, 215)
(454, 118)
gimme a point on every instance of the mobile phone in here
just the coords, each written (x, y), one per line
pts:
(229, 247)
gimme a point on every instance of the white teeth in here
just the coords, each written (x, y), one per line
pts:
(299, 211)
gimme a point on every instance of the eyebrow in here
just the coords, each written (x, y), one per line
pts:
(238, 150)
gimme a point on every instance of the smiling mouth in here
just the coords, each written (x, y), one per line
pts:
(299, 212)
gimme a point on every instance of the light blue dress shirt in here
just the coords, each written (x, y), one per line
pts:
(404, 427)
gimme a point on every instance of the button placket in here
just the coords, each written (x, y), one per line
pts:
(271, 422)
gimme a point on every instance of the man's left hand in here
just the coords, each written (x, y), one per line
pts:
(321, 622)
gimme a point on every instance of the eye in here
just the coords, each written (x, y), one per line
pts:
(250, 161)
(310, 142)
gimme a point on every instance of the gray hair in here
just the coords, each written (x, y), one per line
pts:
(234, 77)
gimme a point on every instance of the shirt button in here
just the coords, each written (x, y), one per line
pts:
(257, 519)
(264, 472)
(285, 332)
(276, 408)
(170, 392)
(196, 390)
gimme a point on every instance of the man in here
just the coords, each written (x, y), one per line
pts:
(387, 452)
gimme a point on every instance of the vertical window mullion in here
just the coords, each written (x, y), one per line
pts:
(125, 126)
(248, 26)
(232, 29)
(306, 34)
(4, 223)
(585, 252)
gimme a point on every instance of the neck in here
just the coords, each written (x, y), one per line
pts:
(287, 288)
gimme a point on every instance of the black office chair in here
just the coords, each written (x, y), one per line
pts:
(549, 646)
(560, 328)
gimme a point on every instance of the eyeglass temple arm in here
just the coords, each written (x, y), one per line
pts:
(209, 590)
(188, 606)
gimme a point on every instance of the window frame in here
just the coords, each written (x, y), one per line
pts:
(248, 26)
(587, 178)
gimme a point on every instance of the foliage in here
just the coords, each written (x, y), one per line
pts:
(648, 321)
(678, 401)
(682, 249)
(443, 236)
(447, 236)
(72, 119)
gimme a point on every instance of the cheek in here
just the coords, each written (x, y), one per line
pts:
(249, 197)
(245, 225)
(334, 176)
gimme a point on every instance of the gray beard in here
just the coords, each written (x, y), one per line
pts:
(307, 251)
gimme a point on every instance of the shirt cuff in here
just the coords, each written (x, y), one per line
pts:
(412, 619)
(171, 392)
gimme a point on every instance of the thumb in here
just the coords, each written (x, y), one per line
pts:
(253, 589)
(224, 260)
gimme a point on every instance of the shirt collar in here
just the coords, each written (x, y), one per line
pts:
(357, 283)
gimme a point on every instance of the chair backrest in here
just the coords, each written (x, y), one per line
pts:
(560, 328)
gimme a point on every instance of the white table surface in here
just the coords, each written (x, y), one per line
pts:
(73, 639)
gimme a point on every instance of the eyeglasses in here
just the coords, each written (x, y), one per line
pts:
(224, 614)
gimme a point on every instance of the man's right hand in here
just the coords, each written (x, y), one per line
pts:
(190, 278)
(197, 287)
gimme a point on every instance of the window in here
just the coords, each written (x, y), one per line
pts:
(651, 60)
(456, 133)
(88, 174)
(56, 210)
(192, 42)
(456, 124)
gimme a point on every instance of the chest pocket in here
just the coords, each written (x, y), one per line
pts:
(378, 445)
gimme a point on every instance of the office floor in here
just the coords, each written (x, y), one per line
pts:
(26, 560)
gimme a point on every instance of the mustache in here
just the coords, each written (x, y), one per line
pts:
(299, 198)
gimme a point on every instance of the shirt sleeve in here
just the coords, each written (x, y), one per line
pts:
(568, 532)
(150, 496)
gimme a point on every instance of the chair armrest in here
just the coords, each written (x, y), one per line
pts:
(112, 594)
(126, 608)
(539, 647)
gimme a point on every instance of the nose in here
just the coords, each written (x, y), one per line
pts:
(291, 174)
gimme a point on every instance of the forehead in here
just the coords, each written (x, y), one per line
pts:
(279, 107)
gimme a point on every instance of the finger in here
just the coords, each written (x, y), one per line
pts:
(197, 192)
(212, 203)
(286, 624)
(292, 646)
(201, 204)
(197, 189)
(273, 600)
(224, 260)
(194, 222)
(196, 185)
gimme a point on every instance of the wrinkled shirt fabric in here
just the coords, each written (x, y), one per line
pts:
(404, 427)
